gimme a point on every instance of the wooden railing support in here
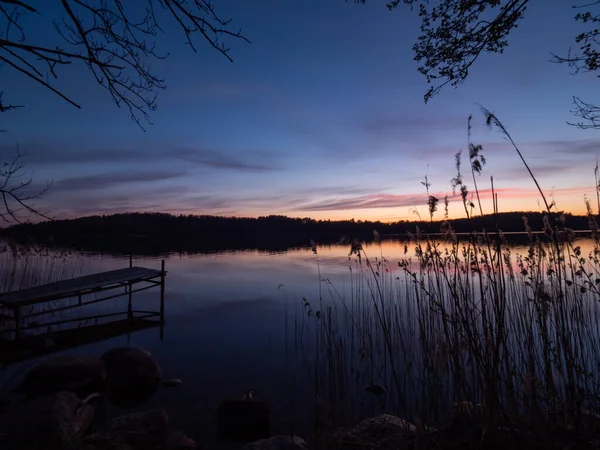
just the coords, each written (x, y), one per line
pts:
(162, 291)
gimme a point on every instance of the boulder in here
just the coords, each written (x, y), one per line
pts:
(148, 430)
(277, 443)
(381, 432)
(46, 423)
(132, 376)
(153, 422)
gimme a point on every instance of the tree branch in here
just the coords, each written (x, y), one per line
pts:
(588, 112)
(115, 40)
(14, 192)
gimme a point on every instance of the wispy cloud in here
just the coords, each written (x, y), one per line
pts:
(166, 175)
(406, 123)
(240, 160)
(71, 204)
(218, 160)
(365, 135)
(550, 161)
(364, 202)
(547, 149)
(383, 200)
(203, 202)
(582, 147)
(103, 181)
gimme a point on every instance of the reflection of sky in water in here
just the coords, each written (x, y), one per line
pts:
(225, 325)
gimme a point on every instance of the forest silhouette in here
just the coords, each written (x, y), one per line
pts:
(159, 233)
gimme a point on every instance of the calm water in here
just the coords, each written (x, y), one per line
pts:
(226, 322)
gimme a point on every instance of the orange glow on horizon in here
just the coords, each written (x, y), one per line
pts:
(386, 207)
(568, 204)
(570, 200)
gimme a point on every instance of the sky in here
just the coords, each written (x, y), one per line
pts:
(321, 115)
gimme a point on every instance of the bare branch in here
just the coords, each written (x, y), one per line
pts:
(589, 113)
(4, 107)
(114, 39)
(19, 3)
(587, 59)
(15, 190)
(199, 23)
(38, 79)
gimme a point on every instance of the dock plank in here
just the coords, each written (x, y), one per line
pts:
(76, 286)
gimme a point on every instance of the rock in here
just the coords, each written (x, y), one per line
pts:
(381, 432)
(153, 422)
(277, 443)
(121, 441)
(50, 422)
(149, 430)
(81, 375)
(132, 376)
(176, 440)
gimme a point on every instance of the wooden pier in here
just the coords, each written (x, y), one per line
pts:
(21, 302)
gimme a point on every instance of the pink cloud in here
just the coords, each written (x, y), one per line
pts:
(383, 200)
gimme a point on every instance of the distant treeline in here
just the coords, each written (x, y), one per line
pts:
(157, 233)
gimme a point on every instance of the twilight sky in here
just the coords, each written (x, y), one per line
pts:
(321, 116)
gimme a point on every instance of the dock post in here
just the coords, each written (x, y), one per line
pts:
(162, 291)
(17, 316)
(130, 259)
(129, 305)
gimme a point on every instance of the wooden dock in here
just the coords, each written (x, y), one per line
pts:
(21, 302)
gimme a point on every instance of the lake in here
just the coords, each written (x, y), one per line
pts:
(229, 319)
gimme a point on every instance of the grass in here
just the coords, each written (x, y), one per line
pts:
(465, 320)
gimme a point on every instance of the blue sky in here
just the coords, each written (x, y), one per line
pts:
(322, 115)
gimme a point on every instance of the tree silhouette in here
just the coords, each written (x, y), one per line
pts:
(114, 39)
(156, 233)
(454, 33)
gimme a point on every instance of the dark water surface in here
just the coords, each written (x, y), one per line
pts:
(226, 327)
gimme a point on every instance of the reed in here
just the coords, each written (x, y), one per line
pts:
(464, 320)
(23, 266)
